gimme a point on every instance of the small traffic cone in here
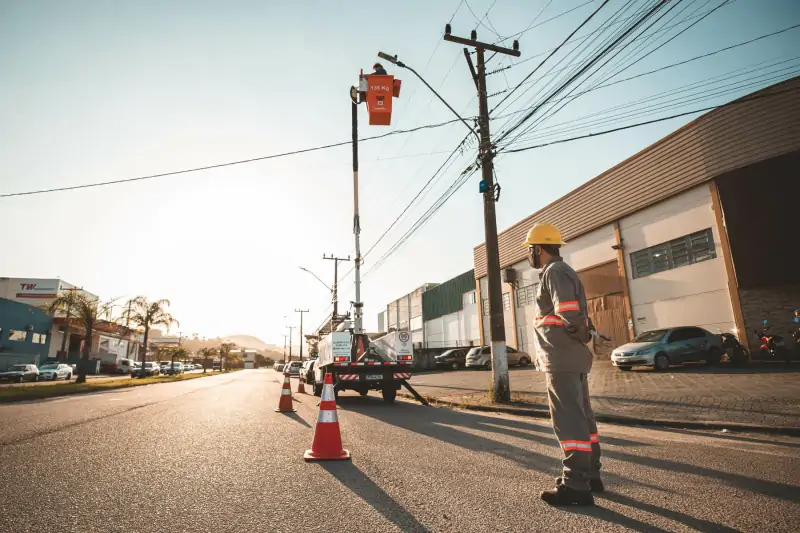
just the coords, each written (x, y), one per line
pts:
(301, 389)
(327, 444)
(285, 404)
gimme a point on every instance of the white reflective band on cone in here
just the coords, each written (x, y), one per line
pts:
(327, 417)
(327, 393)
(286, 392)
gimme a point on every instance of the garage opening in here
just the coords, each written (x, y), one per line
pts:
(760, 205)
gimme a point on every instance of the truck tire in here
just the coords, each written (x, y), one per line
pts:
(389, 394)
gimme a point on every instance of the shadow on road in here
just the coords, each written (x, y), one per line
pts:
(613, 517)
(438, 424)
(354, 479)
(297, 418)
(729, 437)
(704, 526)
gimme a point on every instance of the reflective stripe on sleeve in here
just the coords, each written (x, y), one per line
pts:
(594, 437)
(567, 306)
(549, 320)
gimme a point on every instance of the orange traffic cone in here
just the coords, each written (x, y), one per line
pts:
(327, 444)
(301, 389)
(285, 404)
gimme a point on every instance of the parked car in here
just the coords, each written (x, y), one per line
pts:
(198, 367)
(151, 368)
(293, 368)
(216, 365)
(126, 366)
(278, 367)
(175, 369)
(54, 371)
(455, 359)
(661, 348)
(481, 357)
(20, 373)
(307, 371)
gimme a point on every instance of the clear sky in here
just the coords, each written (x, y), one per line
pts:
(94, 90)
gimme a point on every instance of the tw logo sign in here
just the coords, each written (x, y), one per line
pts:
(27, 286)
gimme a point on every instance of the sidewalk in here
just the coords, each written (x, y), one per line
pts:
(763, 397)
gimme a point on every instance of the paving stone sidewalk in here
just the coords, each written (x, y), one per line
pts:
(761, 394)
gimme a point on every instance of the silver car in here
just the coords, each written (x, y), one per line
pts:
(55, 371)
(661, 348)
(481, 357)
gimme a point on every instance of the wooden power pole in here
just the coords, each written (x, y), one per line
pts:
(501, 391)
(302, 312)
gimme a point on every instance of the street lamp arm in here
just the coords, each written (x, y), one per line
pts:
(403, 65)
(325, 284)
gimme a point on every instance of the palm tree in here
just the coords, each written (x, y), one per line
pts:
(84, 311)
(224, 353)
(206, 353)
(146, 314)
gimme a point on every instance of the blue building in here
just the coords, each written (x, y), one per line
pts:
(24, 333)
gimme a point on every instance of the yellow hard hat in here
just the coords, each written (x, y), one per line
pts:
(543, 233)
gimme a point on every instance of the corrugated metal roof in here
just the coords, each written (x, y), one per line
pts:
(448, 297)
(719, 141)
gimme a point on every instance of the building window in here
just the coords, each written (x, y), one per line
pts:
(506, 301)
(526, 295)
(485, 307)
(38, 338)
(686, 250)
(470, 298)
(17, 335)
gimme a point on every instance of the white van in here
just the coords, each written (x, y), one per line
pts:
(125, 366)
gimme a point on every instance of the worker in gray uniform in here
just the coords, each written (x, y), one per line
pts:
(562, 332)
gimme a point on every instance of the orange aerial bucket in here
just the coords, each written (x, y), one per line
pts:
(380, 90)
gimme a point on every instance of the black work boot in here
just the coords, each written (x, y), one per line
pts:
(596, 485)
(563, 495)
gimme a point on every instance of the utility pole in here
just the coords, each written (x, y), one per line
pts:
(358, 305)
(501, 391)
(284, 348)
(302, 312)
(335, 291)
(290, 345)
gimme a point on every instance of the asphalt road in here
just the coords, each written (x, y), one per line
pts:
(211, 455)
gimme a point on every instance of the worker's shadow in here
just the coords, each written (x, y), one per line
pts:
(613, 517)
(354, 479)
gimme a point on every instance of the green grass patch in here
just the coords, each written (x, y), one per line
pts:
(35, 392)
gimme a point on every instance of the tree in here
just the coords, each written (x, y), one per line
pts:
(224, 354)
(206, 353)
(146, 314)
(83, 310)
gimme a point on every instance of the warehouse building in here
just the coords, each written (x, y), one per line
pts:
(697, 229)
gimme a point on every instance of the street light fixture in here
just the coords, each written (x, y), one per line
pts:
(323, 283)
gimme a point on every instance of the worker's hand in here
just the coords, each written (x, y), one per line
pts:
(579, 333)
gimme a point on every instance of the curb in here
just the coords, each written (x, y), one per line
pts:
(630, 420)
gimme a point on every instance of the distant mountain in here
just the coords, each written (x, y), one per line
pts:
(248, 341)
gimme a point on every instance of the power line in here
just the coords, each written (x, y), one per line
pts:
(583, 69)
(661, 69)
(228, 164)
(676, 102)
(646, 123)
(392, 225)
(555, 50)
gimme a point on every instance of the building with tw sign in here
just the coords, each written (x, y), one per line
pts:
(40, 293)
(697, 229)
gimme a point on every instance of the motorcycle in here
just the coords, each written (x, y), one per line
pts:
(737, 353)
(773, 345)
(796, 333)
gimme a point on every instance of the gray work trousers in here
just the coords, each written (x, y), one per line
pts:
(575, 427)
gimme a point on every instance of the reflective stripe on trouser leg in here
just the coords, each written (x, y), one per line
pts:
(565, 396)
(594, 436)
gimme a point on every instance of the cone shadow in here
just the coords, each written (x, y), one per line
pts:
(354, 479)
